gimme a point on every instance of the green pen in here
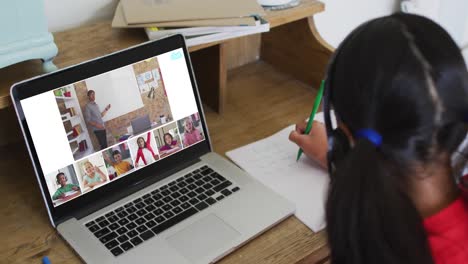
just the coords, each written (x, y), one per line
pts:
(317, 101)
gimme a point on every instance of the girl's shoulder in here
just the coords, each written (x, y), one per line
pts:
(447, 230)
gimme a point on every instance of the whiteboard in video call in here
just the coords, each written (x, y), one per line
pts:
(118, 88)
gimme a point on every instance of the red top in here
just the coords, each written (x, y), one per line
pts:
(140, 150)
(447, 231)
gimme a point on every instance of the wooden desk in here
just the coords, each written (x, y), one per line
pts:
(257, 100)
(261, 101)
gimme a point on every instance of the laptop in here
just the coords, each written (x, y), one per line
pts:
(124, 203)
(141, 124)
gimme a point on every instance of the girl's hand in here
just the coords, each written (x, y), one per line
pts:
(314, 144)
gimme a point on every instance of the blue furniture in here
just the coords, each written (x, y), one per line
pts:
(24, 34)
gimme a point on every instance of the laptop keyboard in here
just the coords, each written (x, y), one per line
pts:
(143, 218)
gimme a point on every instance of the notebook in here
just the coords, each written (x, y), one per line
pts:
(272, 161)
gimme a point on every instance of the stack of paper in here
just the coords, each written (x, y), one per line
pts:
(200, 35)
(200, 21)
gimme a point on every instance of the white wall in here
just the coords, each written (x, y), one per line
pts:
(451, 14)
(66, 14)
(342, 16)
(454, 17)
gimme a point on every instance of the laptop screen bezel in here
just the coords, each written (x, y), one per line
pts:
(134, 181)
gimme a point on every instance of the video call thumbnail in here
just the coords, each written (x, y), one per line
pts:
(118, 160)
(92, 172)
(168, 139)
(63, 185)
(190, 129)
(144, 150)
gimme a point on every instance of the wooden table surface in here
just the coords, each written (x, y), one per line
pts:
(260, 102)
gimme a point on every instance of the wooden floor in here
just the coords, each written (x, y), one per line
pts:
(260, 102)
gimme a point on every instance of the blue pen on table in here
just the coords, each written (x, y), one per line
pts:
(317, 101)
(45, 260)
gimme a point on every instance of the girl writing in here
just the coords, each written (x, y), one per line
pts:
(399, 89)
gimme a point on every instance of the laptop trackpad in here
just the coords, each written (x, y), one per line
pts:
(203, 237)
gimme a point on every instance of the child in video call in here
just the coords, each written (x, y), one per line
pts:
(120, 166)
(145, 154)
(94, 176)
(399, 89)
(191, 134)
(64, 187)
(169, 144)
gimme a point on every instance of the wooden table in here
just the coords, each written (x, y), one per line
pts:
(256, 100)
(261, 101)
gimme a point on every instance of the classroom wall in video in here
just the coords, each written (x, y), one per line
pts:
(152, 89)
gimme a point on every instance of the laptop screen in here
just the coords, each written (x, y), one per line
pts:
(96, 131)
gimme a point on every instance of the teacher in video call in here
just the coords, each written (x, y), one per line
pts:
(93, 116)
